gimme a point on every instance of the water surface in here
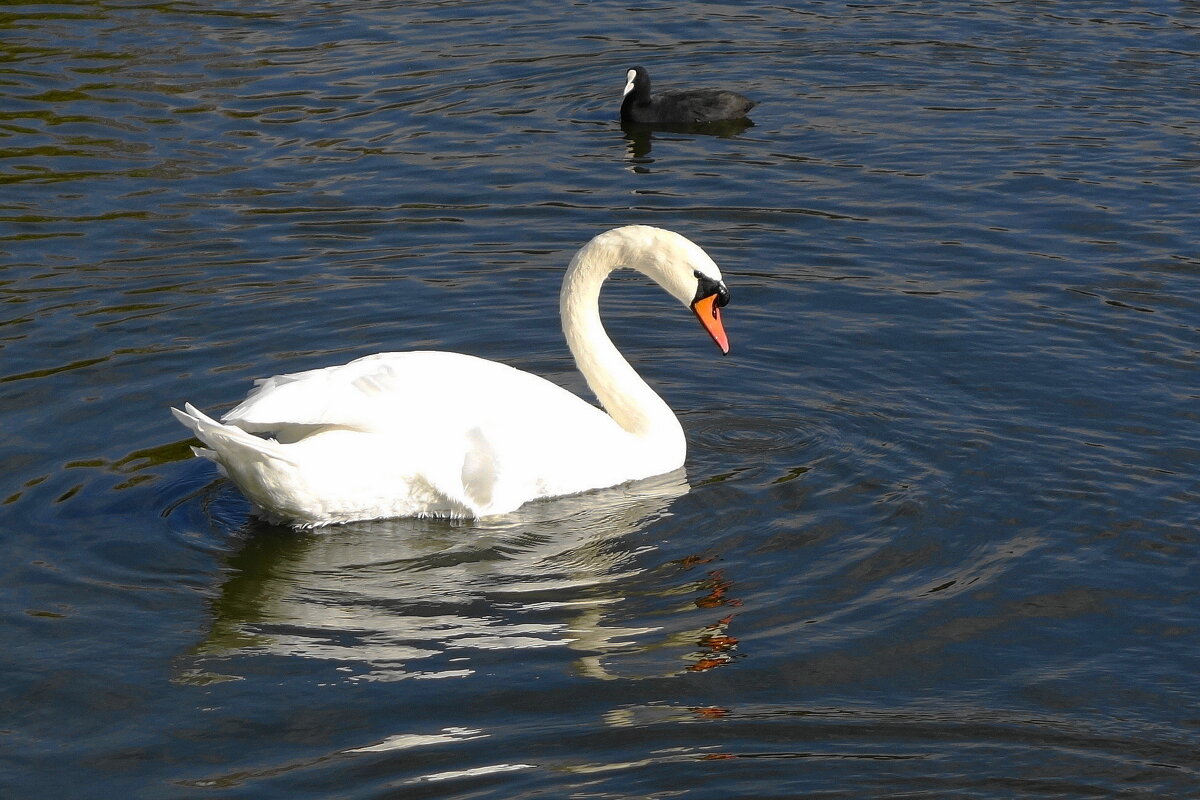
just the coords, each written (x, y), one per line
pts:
(936, 536)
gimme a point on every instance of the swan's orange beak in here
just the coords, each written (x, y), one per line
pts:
(710, 317)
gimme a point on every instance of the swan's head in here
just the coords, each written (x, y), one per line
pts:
(678, 265)
(711, 296)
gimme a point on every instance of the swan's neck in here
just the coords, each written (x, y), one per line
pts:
(627, 398)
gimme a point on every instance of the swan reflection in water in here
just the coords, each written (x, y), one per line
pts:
(413, 598)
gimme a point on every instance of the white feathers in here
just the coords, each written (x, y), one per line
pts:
(432, 433)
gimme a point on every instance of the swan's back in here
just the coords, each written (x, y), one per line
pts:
(415, 392)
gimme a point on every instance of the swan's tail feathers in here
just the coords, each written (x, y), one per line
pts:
(227, 444)
(203, 452)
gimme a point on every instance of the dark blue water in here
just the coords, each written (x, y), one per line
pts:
(938, 531)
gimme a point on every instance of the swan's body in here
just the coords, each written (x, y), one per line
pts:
(679, 107)
(443, 434)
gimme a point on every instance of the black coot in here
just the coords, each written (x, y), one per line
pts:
(679, 107)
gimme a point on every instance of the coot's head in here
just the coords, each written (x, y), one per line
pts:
(637, 80)
(637, 89)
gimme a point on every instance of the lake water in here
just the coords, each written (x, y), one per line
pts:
(937, 535)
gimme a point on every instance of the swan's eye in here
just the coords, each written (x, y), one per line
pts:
(707, 287)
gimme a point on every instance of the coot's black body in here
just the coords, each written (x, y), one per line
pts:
(678, 107)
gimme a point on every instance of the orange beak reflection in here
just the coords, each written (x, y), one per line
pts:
(710, 317)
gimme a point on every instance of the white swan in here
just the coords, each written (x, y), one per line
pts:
(428, 433)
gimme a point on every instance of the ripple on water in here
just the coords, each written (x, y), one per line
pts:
(743, 435)
(939, 527)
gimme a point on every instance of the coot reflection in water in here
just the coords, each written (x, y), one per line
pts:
(640, 135)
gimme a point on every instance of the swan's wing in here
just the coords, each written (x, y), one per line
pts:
(343, 396)
(390, 391)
